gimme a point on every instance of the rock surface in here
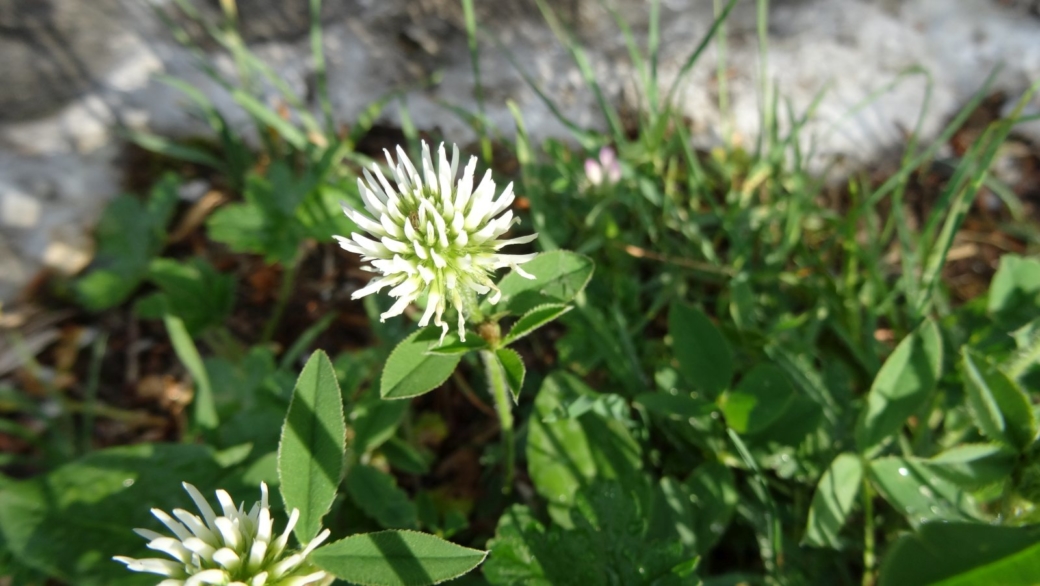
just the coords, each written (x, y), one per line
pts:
(75, 72)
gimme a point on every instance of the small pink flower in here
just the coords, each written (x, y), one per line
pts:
(606, 168)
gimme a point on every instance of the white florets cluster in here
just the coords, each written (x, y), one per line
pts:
(431, 235)
(232, 549)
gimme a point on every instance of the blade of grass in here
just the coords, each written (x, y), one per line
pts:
(973, 171)
(205, 403)
(581, 59)
(320, 69)
(939, 142)
(169, 148)
(635, 55)
(721, 75)
(587, 139)
(97, 354)
(695, 55)
(525, 156)
(474, 58)
(270, 118)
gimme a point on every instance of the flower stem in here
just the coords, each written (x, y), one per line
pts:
(499, 390)
(869, 558)
(284, 291)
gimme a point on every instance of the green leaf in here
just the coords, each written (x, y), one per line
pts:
(919, 493)
(559, 277)
(607, 544)
(269, 117)
(534, 319)
(376, 493)
(374, 421)
(1000, 407)
(391, 558)
(565, 454)
(705, 358)
(313, 445)
(1014, 293)
(69, 522)
(671, 513)
(193, 290)
(173, 149)
(713, 495)
(405, 457)
(901, 387)
(454, 345)
(266, 223)
(513, 367)
(129, 234)
(411, 370)
(835, 496)
(184, 347)
(762, 396)
(964, 554)
(973, 466)
(680, 406)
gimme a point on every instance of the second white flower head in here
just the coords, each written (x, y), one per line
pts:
(429, 234)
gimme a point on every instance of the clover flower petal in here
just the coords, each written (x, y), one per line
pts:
(428, 234)
(228, 548)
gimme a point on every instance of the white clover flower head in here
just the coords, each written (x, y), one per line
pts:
(233, 548)
(430, 234)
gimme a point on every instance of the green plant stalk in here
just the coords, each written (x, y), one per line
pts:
(320, 70)
(90, 394)
(474, 58)
(284, 291)
(504, 408)
(768, 109)
(869, 556)
(720, 74)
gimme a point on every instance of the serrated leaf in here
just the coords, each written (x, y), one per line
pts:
(705, 358)
(392, 558)
(376, 493)
(833, 501)
(513, 367)
(534, 319)
(454, 345)
(761, 397)
(411, 370)
(964, 554)
(1000, 407)
(559, 276)
(313, 445)
(901, 387)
